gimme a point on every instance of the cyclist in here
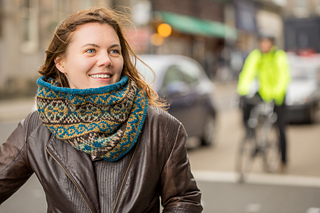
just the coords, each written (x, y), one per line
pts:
(268, 65)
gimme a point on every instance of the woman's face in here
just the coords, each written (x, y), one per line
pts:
(93, 58)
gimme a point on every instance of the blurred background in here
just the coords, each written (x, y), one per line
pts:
(216, 36)
(217, 33)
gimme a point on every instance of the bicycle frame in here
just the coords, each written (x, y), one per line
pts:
(261, 121)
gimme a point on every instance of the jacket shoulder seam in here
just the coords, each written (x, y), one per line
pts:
(27, 120)
(32, 123)
(175, 141)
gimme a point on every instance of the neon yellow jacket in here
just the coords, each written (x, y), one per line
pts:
(272, 72)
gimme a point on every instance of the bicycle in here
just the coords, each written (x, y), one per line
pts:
(261, 140)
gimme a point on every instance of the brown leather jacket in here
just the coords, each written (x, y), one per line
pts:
(156, 167)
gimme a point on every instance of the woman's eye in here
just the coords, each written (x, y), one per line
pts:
(115, 51)
(90, 51)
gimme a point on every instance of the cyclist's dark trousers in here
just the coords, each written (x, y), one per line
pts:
(281, 124)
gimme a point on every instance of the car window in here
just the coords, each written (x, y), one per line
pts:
(173, 74)
(186, 71)
(182, 73)
(192, 70)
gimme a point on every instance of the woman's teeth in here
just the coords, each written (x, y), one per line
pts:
(101, 76)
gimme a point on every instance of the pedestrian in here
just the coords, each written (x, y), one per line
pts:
(99, 140)
(268, 66)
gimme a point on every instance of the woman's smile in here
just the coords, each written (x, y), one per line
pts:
(102, 76)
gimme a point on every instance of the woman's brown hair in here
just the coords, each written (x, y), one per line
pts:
(63, 34)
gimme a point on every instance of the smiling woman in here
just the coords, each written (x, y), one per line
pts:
(93, 58)
(98, 127)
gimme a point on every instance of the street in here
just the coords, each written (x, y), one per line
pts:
(303, 141)
(230, 197)
(303, 148)
(296, 191)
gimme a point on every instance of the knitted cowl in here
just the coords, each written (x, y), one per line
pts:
(104, 122)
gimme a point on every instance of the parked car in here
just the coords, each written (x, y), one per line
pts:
(303, 95)
(184, 84)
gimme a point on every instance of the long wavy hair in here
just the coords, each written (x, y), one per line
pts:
(63, 35)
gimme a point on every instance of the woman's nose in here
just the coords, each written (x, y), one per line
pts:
(104, 59)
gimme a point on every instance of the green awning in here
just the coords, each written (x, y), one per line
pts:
(190, 25)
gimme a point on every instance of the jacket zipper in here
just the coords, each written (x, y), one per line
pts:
(72, 180)
(124, 178)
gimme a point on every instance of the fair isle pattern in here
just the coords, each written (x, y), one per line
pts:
(104, 122)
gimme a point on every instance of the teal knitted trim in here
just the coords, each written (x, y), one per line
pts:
(109, 88)
(104, 122)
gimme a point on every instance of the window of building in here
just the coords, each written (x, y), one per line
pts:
(29, 11)
(301, 3)
(318, 6)
(59, 12)
(1, 18)
(87, 3)
(301, 8)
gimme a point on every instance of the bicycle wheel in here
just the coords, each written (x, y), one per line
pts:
(245, 157)
(271, 154)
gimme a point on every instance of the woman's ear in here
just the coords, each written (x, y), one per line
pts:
(59, 62)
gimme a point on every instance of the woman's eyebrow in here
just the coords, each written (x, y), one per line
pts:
(115, 45)
(94, 45)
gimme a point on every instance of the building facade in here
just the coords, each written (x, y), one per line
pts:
(26, 27)
(302, 26)
(206, 30)
(199, 30)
